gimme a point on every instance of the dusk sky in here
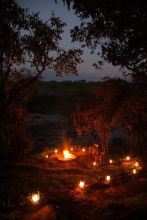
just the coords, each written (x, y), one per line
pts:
(86, 70)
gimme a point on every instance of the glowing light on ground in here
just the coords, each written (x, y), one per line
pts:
(108, 178)
(35, 198)
(134, 171)
(94, 163)
(81, 184)
(128, 158)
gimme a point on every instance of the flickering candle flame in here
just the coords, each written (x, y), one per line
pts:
(134, 171)
(83, 149)
(35, 198)
(136, 164)
(71, 149)
(66, 154)
(110, 161)
(108, 178)
(46, 156)
(56, 151)
(128, 158)
(81, 184)
(94, 163)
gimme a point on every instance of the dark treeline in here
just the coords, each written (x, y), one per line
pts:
(50, 96)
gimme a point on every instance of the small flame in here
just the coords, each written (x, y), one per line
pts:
(108, 178)
(35, 198)
(134, 171)
(110, 161)
(66, 154)
(56, 151)
(136, 164)
(46, 156)
(128, 158)
(94, 163)
(83, 149)
(71, 149)
(81, 184)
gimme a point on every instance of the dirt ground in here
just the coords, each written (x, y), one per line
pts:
(97, 196)
(124, 197)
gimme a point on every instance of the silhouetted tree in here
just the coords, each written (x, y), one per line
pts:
(28, 46)
(132, 114)
(117, 103)
(99, 114)
(116, 30)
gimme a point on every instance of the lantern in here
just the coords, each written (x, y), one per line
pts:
(108, 178)
(134, 171)
(94, 163)
(110, 161)
(81, 184)
(35, 198)
(128, 158)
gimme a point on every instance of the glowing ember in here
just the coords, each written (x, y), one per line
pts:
(127, 158)
(56, 151)
(110, 161)
(66, 154)
(83, 149)
(136, 164)
(108, 178)
(81, 184)
(35, 198)
(134, 171)
(46, 156)
(94, 163)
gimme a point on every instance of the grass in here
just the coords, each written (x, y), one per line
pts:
(58, 183)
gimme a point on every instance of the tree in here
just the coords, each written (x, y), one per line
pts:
(101, 114)
(28, 46)
(117, 31)
(132, 114)
(117, 103)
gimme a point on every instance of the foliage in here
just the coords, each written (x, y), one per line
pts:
(117, 103)
(28, 46)
(116, 30)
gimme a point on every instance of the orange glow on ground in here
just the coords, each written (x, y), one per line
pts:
(134, 171)
(128, 158)
(81, 184)
(108, 178)
(35, 198)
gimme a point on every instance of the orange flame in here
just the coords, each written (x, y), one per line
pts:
(66, 154)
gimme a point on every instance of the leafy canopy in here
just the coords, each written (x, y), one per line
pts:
(116, 30)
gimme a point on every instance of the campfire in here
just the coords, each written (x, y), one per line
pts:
(66, 156)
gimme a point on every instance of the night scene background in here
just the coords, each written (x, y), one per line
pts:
(73, 109)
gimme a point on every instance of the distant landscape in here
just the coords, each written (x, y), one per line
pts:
(54, 97)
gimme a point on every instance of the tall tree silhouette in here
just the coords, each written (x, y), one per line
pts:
(28, 46)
